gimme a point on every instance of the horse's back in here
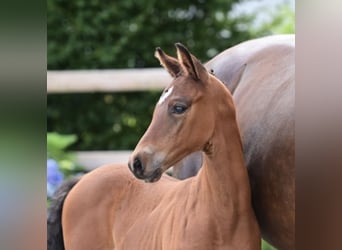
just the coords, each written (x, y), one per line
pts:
(260, 74)
(230, 65)
(87, 213)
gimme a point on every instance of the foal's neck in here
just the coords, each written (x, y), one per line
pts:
(224, 174)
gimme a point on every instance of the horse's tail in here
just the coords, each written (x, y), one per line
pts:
(54, 221)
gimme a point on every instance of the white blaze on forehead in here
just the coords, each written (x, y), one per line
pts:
(165, 95)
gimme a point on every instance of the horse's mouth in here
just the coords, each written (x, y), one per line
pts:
(149, 178)
(155, 176)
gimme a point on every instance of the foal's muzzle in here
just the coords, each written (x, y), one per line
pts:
(138, 169)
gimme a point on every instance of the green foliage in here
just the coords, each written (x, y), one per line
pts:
(121, 34)
(102, 121)
(57, 146)
(282, 22)
(266, 246)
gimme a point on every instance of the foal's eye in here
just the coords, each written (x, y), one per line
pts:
(178, 109)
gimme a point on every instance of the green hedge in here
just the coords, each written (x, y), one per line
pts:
(120, 34)
(102, 121)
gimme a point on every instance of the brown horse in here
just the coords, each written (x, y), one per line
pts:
(110, 209)
(260, 75)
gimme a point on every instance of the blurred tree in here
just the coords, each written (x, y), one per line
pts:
(282, 22)
(97, 34)
(121, 34)
(101, 121)
(267, 18)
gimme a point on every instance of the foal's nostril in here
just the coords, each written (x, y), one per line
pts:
(137, 166)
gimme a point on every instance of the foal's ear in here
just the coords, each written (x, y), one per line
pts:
(190, 64)
(169, 63)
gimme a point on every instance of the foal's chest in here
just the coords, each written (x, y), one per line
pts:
(171, 228)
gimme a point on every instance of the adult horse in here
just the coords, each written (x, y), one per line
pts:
(111, 209)
(260, 75)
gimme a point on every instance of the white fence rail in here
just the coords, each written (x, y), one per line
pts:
(92, 159)
(116, 80)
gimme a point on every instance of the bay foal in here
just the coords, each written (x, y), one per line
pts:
(110, 209)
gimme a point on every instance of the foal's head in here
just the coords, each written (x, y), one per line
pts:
(184, 117)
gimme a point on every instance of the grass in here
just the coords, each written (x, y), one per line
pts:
(266, 246)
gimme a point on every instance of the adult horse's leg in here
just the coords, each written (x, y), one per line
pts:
(54, 226)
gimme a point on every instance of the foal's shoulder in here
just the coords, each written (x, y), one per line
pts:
(110, 172)
(105, 179)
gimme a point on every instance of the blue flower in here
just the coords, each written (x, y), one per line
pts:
(54, 176)
(50, 190)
